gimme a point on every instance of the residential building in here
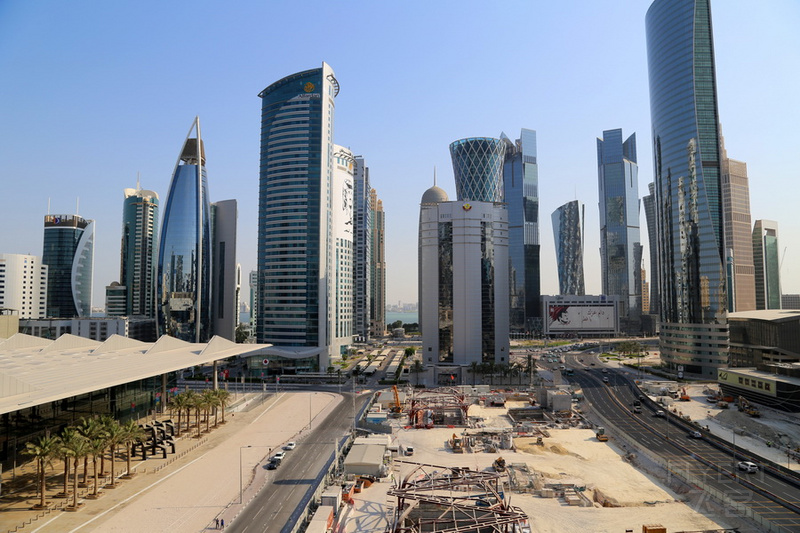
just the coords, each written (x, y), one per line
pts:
(362, 249)
(116, 299)
(225, 277)
(568, 228)
(465, 293)
(521, 195)
(23, 285)
(377, 307)
(69, 255)
(620, 242)
(738, 235)
(342, 200)
(184, 260)
(139, 254)
(645, 293)
(686, 150)
(295, 233)
(766, 258)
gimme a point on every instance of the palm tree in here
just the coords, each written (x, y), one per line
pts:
(114, 435)
(191, 402)
(417, 368)
(77, 447)
(474, 368)
(180, 402)
(131, 433)
(223, 399)
(67, 434)
(96, 447)
(91, 429)
(208, 401)
(43, 451)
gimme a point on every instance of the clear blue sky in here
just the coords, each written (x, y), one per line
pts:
(93, 93)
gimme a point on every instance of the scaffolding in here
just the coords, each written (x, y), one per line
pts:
(445, 406)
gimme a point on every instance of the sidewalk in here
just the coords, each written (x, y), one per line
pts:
(188, 490)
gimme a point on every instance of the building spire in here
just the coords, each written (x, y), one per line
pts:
(138, 183)
(434, 175)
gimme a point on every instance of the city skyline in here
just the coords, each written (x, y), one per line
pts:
(112, 87)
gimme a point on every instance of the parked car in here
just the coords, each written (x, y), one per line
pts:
(747, 466)
(290, 445)
(695, 435)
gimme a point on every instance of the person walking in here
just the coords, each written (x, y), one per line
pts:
(216, 523)
(222, 523)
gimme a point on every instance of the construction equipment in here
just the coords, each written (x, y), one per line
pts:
(747, 408)
(601, 434)
(455, 444)
(499, 465)
(684, 397)
(396, 408)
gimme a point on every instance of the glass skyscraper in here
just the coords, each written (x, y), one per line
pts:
(69, 255)
(686, 150)
(568, 227)
(362, 244)
(620, 242)
(521, 194)
(184, 260)
(649, 203)
(295, 233)
(766, 258)
(139, 251)
(478, 168)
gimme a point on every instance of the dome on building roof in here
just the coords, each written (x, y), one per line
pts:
(434, 195)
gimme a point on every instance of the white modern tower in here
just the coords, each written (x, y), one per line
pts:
(23, 285)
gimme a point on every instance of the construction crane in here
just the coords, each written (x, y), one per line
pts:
(396, 408)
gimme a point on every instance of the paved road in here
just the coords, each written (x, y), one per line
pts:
(278, 505)
(766, 494)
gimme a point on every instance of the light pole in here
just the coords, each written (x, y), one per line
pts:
(733, 451)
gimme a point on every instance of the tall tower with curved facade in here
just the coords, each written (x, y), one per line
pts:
(69, 255)
(139, 253)
(184, 260)
(478, 168)
(686, 151)
(295, 229)
(568, 227)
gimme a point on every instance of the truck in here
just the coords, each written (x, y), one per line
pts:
(601, 434)
(455, 444)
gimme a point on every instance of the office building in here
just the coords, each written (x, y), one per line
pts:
(253, 298)
(766, 258)
(568, 228)
(377, 306)
(225, 277)
(649, 204)
(740, 269)
(344, 163)
(790, 301)
(69, 255)
(116, 299)
(295, 233)
(362, 250)
(620, 242)
(521, 195)
(23, 285)
(139, 254)
(478, 168)
(645, 293)
(465, 293)
(184, 260)
(686, 151)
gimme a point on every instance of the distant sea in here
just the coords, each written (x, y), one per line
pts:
(406, 318)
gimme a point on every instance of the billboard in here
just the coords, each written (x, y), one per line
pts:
(580, 317)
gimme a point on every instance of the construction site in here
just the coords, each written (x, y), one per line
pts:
(473, 459)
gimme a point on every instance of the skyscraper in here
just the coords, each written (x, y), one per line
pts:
(766, 258)
(738, 236)
(649, 203)
(139, 254)
(184, 260)
(685, 126)
(620, 242)
(568, 227)
(377, 306)
(295, 233)
(343, 221)
(23, 285)
(478, 168)
(362, 250)
(69, 255)
(224, 281)
(521, 195)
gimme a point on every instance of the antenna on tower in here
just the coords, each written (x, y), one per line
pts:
(48, 205)
(78, 205)
(138, 184)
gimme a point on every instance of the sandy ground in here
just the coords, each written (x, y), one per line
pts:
(569, 456)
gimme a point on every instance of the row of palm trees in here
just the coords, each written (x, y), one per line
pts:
(208, 402)
(91, 438)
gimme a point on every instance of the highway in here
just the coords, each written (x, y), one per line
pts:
(767, 492)
(279, 504)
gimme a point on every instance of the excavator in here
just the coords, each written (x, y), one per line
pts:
(455, 444)
(499, 465)
(396, 408)
(684, 397)
(747, 408)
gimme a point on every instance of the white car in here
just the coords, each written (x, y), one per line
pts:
(747, 466)
(290, 445)
(278, 456)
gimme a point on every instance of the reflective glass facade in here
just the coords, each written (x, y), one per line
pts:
(649, 204)
(184, 261)
(568, 235)
(68, 253)
(362, 246)
(620, 242)
(138, 265)
(521, 195)
(478, 168)
(767, 264)
(295, 241)
(685, 123)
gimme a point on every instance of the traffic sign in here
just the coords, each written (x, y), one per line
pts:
(265, 362)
